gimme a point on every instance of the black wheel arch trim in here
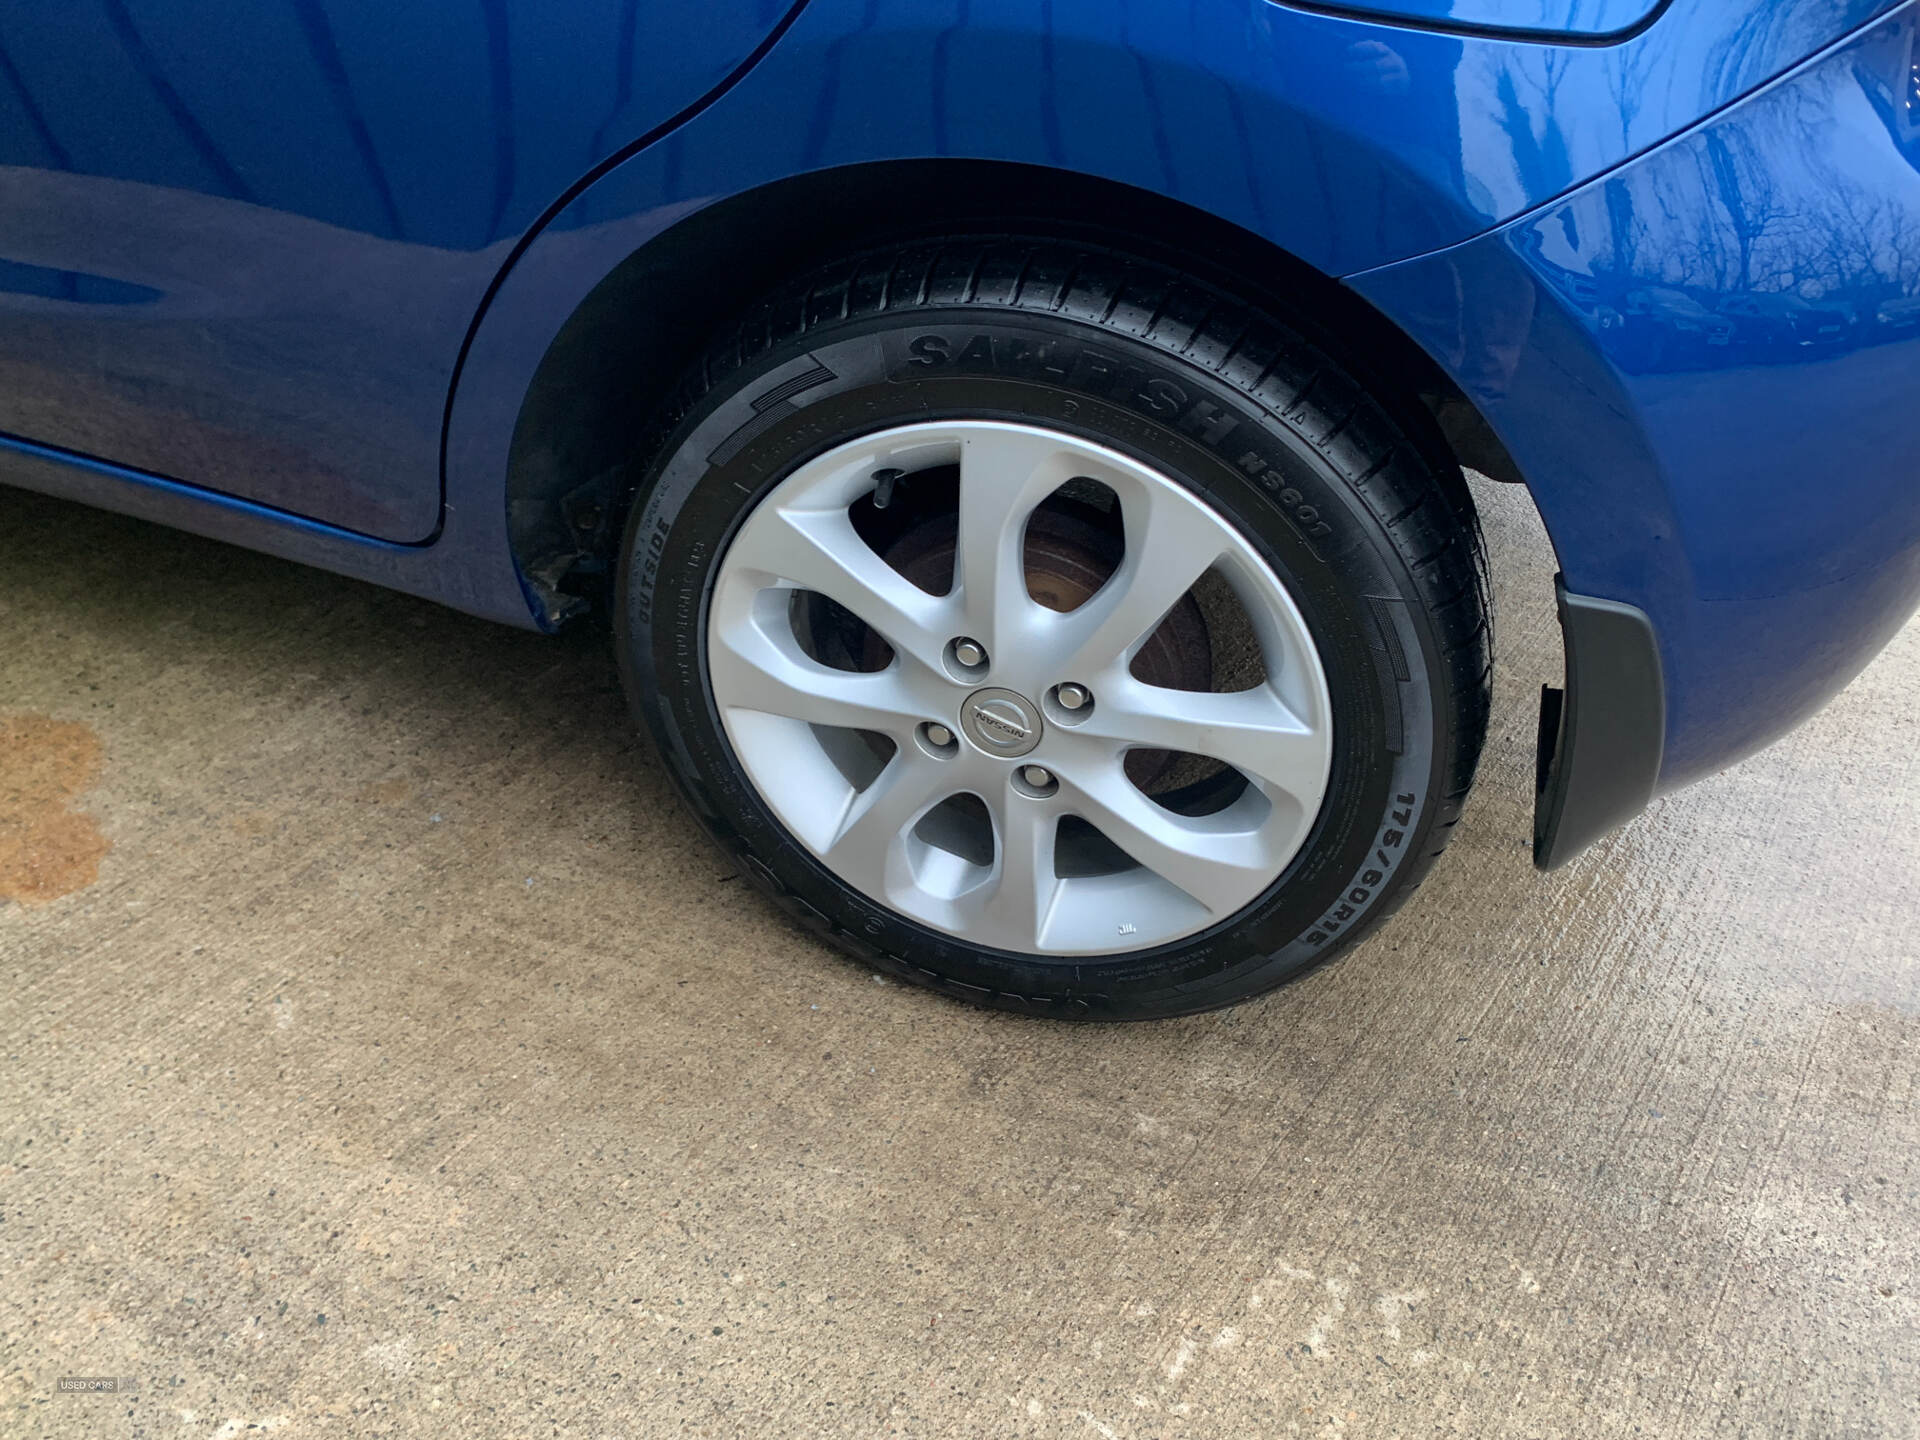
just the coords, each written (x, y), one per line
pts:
(1602, 738)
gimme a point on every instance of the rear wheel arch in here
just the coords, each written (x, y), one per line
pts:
(620, 352)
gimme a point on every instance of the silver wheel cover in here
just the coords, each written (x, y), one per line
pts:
(1190, 871)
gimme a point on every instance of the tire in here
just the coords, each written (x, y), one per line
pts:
(1375, 551)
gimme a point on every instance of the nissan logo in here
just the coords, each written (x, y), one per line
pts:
(1003, 723)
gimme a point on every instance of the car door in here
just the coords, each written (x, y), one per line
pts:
(241, 244)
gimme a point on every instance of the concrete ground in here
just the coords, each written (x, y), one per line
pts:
(386, 1053)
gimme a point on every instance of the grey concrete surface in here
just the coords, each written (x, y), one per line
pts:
(401, 1061)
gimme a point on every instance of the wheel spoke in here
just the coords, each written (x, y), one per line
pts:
(758, 671)
(1171, 542)
(1004, 475)
(1214, 866)
(1251, 730)
(1016, 903)
(819, 550)
(869, 848)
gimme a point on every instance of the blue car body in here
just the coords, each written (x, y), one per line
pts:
(318, 277)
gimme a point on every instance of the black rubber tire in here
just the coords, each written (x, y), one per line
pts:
(1379, 547)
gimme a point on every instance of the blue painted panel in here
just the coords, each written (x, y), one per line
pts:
(303, 202)
(1706, 366)
(321, 192)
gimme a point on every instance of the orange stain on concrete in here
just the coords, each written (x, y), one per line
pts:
(47, 849)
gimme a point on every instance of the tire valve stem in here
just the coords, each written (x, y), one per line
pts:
(883, 482)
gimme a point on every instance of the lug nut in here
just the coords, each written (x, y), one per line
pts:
(1072, 697)
(939, 736)
(969, 653)
(1036, 776)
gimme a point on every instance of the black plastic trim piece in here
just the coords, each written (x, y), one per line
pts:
(1375, 15)
(1601, 740)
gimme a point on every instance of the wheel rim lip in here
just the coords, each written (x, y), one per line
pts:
(828, 473)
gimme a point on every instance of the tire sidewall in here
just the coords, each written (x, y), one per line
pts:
(1334, 555)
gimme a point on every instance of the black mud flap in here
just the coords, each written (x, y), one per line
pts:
(1602, 738)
